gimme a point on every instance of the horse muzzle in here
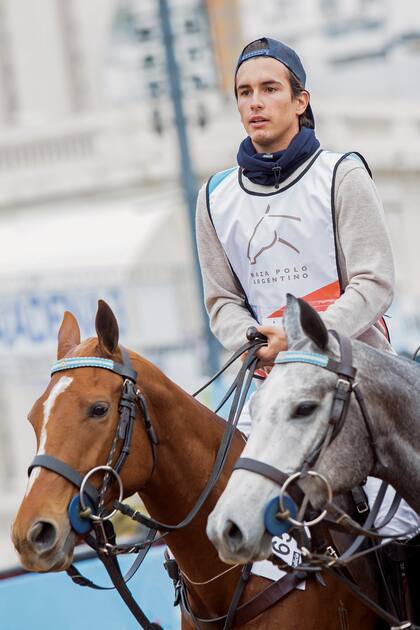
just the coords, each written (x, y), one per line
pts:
(235, 539)
(44, 545)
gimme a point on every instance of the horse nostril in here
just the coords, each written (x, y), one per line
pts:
(42, 536)
(233, 536)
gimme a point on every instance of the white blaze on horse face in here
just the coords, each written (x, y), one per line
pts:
(58, 389)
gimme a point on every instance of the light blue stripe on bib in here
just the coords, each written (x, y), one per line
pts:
(219, 177)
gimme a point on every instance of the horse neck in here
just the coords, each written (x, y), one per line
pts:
(189, 436)
(392, 396)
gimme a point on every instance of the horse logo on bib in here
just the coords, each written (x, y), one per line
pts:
(263, 238)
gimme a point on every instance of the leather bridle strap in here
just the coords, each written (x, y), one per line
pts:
(81, 580)
(272, 473)
(249, 610)
(378, 610)
(64, 470)
(345, 366)
(113, 569)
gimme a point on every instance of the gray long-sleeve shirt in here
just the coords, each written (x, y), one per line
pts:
(364, 258)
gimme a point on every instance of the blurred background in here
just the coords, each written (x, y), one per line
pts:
(112, 114)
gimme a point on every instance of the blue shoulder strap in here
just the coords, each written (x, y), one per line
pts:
(217, 178)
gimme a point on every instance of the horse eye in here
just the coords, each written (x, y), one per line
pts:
(305, 409)
(98, 410)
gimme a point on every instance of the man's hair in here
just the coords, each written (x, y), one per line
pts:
(297, 89)
(295, 85)
(259, 44)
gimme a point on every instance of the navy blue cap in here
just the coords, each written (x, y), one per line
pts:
(281, 52)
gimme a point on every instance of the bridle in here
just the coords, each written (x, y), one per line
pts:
(345, 386)
(131, 400)
(86, 510)
(282, 513)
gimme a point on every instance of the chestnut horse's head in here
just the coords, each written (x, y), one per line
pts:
(75, 421)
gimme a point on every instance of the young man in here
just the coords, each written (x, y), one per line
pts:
(292, 218)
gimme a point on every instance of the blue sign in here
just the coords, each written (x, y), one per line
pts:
(34, 317)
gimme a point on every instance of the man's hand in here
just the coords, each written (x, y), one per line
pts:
(276, 343)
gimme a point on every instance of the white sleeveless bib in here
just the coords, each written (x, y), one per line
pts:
(280, 243)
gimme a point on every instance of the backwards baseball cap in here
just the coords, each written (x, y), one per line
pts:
(267, 47)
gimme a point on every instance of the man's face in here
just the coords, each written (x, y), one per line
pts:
(268, 110)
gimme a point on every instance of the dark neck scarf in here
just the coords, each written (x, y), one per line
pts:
(270, 169)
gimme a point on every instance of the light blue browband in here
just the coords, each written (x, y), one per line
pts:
(77, 362)
(321, 360)
(123, 369)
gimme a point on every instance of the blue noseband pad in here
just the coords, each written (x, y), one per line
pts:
(274, 525)
(80, 524)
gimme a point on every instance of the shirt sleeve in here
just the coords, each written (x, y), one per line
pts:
(364, 253)
(223, 296)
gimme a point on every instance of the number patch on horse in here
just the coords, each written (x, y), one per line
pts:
(285, 547)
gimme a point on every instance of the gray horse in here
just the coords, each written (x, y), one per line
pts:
(290, 415)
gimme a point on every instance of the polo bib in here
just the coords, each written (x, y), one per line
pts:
(281, 242)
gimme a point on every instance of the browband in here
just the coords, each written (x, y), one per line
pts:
(313, 358)
(71, 363)
(290, 356)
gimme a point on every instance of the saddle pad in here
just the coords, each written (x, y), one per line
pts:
(405, 518)
(285, 548)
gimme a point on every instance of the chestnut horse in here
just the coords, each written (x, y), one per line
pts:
(75, 420)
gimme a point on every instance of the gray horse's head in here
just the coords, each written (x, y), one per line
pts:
(290, 414)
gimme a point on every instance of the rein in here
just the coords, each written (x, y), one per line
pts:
(240, 389)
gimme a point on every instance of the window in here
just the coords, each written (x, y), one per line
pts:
(154, 89)
(195, 53)
(143, 34)
(198, 82)
(192, 26)
(149, 61)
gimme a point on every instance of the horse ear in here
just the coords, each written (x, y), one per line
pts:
(106, 328)
(302, 320)
(313, 325)
(68, 335)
